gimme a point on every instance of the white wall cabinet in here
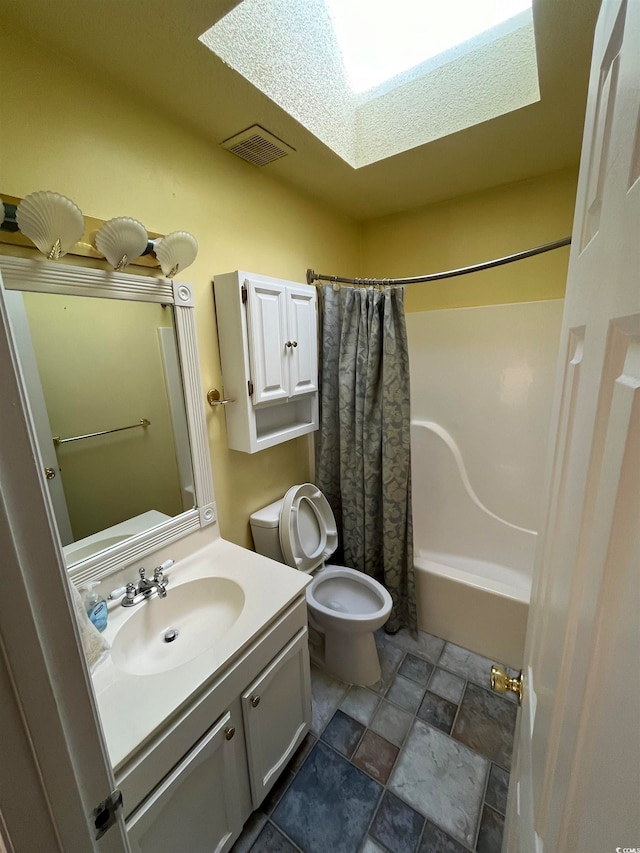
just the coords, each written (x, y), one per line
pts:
(267, 330)
(262, 707)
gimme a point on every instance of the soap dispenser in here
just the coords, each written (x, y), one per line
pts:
(96, 606)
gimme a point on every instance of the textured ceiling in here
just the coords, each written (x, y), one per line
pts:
(288, 50)
(150, 49)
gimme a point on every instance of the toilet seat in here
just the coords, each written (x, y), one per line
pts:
(341, 593)
(307, 529)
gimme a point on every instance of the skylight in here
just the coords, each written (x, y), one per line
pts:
(431, 67)
(379, 39)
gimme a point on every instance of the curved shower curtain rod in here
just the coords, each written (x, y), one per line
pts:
(437, 276)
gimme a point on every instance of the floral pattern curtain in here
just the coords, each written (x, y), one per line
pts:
(363, 453)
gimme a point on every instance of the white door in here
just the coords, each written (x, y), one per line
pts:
(267, 306)
(303, 337)
(41, 647)
(576, 778)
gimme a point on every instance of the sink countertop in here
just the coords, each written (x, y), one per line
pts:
(133, 707)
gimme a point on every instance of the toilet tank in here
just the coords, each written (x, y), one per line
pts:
(265, 525)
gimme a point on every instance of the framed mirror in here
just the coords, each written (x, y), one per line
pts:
(109, 367)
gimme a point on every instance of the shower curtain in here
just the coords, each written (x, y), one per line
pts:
(363, 444)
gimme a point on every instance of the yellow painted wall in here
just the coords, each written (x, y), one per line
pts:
(101, 368)
(65, 130)
(475, 228)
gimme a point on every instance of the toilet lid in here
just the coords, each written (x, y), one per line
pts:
(308, 533)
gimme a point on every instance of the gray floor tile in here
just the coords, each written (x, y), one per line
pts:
(437, 712)
(271, 840)
(391, 722)
(343, 733)
(468, 664)
(486, 723)
(425, 646)
(405, 693)
(436, 840)
(370, 846)
(497, 789)
(360, 704)
(397, 825)
(329, 804)
(417, 669)
(491, 831)
(326, 695)
(251, 830)
(376, 756)
(442, 779)
(447, 685)
(390, 658)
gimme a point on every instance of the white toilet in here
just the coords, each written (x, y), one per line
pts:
(345, 606)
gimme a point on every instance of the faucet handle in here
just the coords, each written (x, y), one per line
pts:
(158, 572)
(130, 591)
(141, 573)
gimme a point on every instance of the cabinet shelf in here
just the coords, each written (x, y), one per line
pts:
(267, 330)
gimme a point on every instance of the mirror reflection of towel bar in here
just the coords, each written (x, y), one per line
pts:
(143, 422)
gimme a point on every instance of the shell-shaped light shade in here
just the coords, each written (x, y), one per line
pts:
(176, 251)
(51, 221)
(121, 240)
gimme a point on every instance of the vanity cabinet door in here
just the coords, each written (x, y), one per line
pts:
(196, 807)
(268, 340)
(276, 709)
(303, 353)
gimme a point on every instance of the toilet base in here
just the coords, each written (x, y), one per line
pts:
(352, 658)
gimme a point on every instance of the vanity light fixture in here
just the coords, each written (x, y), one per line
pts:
(52, 221)
(176, 252)
(57, 227)
(121, 240)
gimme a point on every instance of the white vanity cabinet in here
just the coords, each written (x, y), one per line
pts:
(193, 787)
(275, 710)
(197, 807)
(267, 330)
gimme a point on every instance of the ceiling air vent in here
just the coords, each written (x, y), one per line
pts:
(257, 146)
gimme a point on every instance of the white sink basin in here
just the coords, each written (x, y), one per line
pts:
(200, 612)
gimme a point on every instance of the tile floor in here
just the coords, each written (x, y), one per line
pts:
(418, 763)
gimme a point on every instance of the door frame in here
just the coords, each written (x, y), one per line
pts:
(42, 654)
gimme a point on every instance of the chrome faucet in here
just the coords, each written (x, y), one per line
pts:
(146, 587)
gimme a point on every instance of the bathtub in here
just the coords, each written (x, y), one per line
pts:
(473, 569)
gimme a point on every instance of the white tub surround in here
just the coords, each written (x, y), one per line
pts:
(486, 375)
(473, 568)
(152, 721)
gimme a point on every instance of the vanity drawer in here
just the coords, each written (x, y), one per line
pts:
(159, 756)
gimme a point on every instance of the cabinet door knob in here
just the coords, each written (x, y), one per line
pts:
(49, 473)
(288, 344)
(294, 343)
(229, 732)
(255, 701)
